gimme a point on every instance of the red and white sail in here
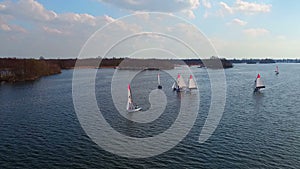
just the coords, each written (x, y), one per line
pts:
(259, 83)
(180, 82)
(192, 83)
(130, 105)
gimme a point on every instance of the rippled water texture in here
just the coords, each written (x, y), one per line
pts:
(39, 126)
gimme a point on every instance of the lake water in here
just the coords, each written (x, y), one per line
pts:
(39, 127)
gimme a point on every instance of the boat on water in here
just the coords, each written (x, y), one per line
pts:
(276, 70)
(131, 107)
(258, 84)
(175, 86)
(179, 85)
(158, 81)
(191, 83)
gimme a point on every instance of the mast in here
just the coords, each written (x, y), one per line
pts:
(158, 80)
(174, 86)
(277, 70)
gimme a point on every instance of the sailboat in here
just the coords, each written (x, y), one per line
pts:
(192, 83)
(131, 107)
(277, 70)
(175, 86)
(258, 84)
(179, 85)
(158, 80)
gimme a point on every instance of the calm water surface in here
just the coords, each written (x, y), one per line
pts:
(39, 126)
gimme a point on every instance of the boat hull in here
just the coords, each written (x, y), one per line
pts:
(258, 89)
(135, 110)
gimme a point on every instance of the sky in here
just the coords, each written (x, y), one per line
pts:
(148, 28)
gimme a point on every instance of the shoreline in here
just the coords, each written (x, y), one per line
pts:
(17, 70)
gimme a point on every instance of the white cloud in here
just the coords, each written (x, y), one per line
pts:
(169, 6)
(256, 32)
(226, 8)
(5, 27)
(33, 11)
(252, 8)
(27, 9)
(194, 3)
(245, 7)
(18, 29)
(237, 21)
(77, 18)
(155, 5)
(52, 30)
(189, 13)
(41, 24)
(108, 19)
(2, 6)
(206, 4)
(53, 34)
(206, 14)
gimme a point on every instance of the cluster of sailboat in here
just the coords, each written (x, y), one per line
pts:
(259, 85)
(179, 85)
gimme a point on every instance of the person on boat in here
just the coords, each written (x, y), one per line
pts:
(178, 89)
(255, 89)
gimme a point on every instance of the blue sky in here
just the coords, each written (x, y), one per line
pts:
(236, 28)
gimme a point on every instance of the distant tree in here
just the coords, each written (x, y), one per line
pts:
(42, 58)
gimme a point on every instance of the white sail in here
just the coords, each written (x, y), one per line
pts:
(130, 106)
(129, 101)
(192, 83)
(258, 84)
(180, 82)
(158, 79)
(277, 70)
(174, 86)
